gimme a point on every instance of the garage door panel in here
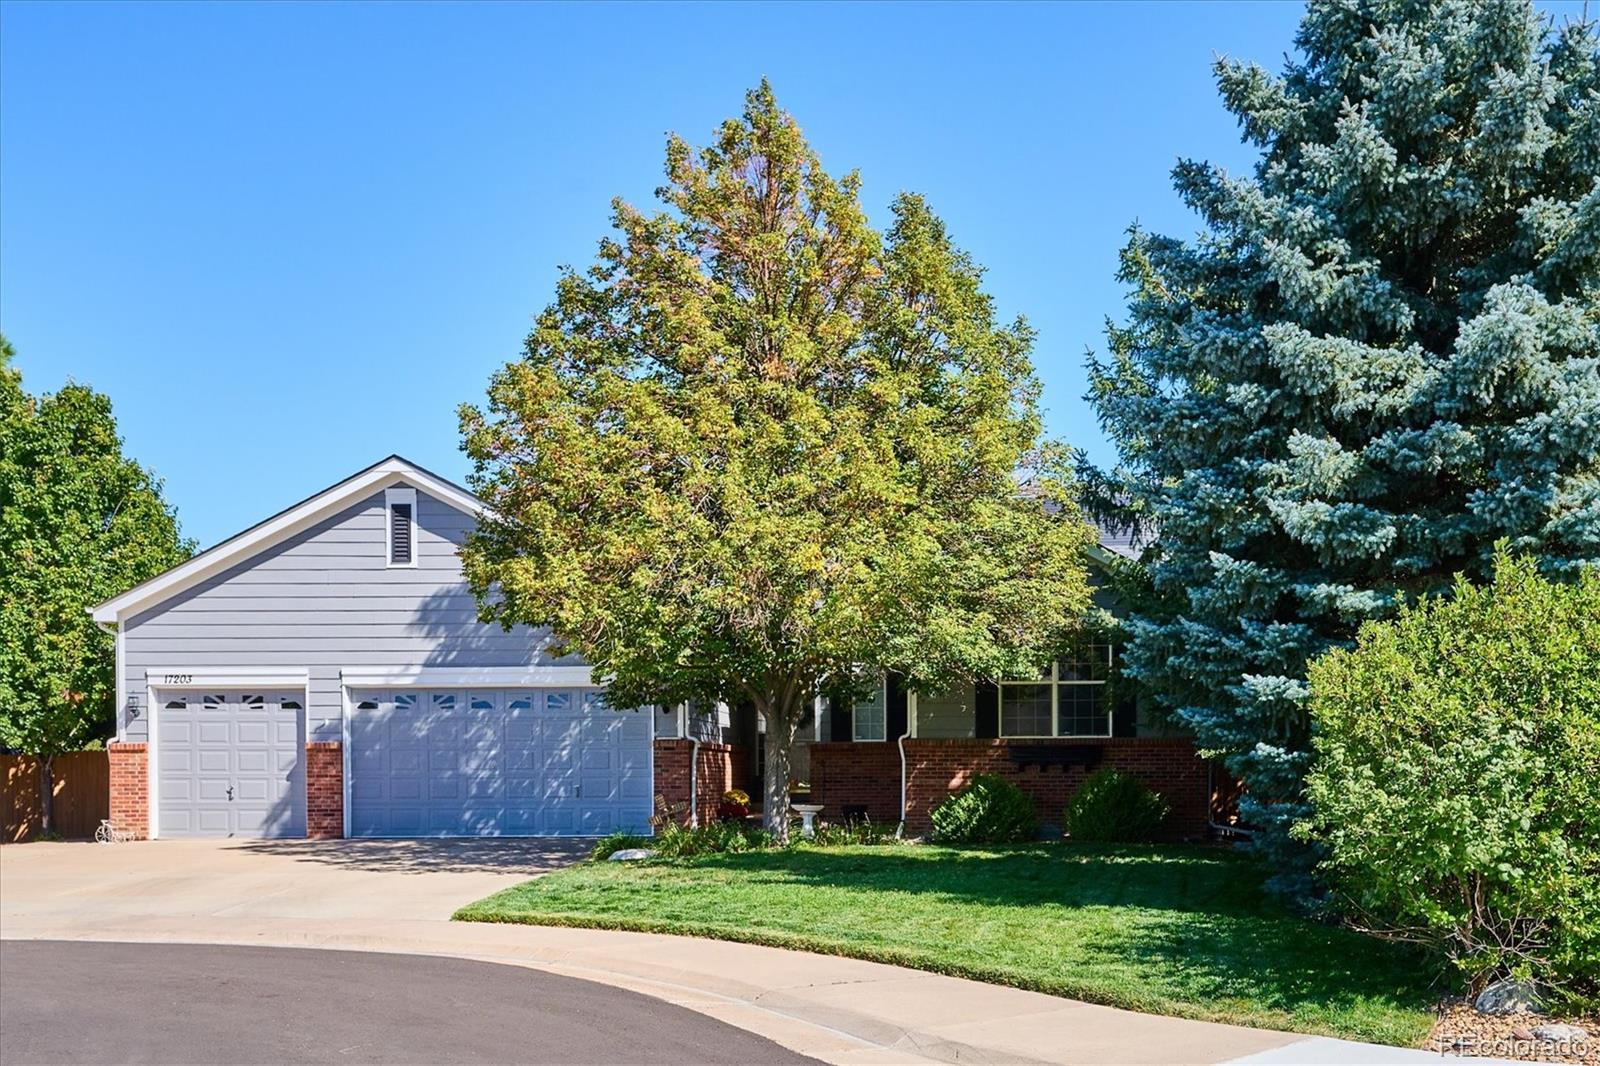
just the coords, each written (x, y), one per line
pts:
(254, 762)
(254, 733)
(405, 760)
(248, 792)
(523, 787)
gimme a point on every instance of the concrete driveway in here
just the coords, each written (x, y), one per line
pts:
(75, 888)
(396, 897)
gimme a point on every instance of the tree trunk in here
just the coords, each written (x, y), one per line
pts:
(47, 795)
(775, 770)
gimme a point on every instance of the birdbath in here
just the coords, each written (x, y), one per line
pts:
(808, 817)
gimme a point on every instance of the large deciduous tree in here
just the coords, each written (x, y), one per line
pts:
(79, 522)
(758, 448)
(1380, 355)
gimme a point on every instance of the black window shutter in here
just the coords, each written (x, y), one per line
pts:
(896, 717)
(400, 533)
(986, 710)
(840, 720)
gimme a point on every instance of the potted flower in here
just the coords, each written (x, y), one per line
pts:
(734, 807)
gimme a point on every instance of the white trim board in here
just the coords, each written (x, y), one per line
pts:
(468, 677)
(302, 516)
(226, 676)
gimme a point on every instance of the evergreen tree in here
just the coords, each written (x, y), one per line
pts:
(1380, 355)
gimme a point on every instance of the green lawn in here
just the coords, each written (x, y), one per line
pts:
(1169, 930)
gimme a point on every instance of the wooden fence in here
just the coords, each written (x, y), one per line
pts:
(82, 795)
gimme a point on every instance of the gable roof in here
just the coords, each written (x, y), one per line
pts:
(283, 525)
(1118, 540)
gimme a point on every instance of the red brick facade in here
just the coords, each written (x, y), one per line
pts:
(721, 768)
(324, 790)
(844, 776)
(130, 789)
(851, 778)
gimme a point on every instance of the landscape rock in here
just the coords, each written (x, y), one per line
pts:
(632, 854)
(1560, 1032)
(1508, 997)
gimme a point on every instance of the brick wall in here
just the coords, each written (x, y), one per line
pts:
(844, 775)
(720, 769)
(847, 776)
(130, 789)
(324, 789)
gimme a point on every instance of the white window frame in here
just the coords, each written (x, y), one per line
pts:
(1055, 683)
(392, 496)
(855, 719)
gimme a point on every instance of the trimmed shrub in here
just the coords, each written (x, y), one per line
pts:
(1115, 808)
(990, 810)
(1456, 786)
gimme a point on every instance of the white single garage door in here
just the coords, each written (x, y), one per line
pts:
(231, 764)
(501, 762)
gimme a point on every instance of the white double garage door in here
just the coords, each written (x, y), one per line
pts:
(419, 762)
(511, 762)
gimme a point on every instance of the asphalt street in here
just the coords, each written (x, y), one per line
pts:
(83, 1002)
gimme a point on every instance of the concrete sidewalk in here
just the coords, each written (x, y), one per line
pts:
(399, 899)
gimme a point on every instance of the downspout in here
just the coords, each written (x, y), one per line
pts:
(694, 767)
(911, 723)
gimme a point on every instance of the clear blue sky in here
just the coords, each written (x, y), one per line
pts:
(288, 239)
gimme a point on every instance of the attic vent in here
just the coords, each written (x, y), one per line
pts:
(401, 505)
(400, 533)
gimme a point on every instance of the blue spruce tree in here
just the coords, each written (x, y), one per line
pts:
(1380, 355)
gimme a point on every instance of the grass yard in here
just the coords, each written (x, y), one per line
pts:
(1168, 930)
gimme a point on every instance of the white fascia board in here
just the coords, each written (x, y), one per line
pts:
(296, 519)
(468, 677)
(226, 676)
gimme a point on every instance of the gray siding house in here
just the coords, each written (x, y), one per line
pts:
(324, 674)
(343, 625)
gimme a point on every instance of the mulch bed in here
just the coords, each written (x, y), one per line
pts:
(1463, 1031)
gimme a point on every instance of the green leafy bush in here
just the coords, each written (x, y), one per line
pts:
(609, 845)
(990, 810)
(677, 842)
(1114, 808)
(1457, 777)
